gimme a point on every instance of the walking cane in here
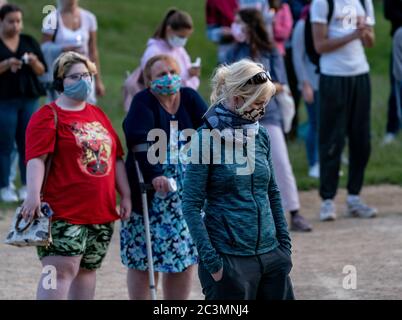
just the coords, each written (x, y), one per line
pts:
(144, 187)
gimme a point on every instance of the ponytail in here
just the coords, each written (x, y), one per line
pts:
(218, 84)
(176, 19)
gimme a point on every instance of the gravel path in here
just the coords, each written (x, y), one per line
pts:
(373, 247)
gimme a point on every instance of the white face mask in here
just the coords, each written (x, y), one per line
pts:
(177, 42)
(237, 32)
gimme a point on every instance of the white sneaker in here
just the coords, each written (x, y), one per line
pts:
(22, 193)
(327, 212)
(314, 171)
(7, 194)
(388, 138)
(358, 209)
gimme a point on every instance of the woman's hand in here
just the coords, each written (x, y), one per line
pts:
(125, 208)
(308, 92)
(194, 72)
(14, 64)
(161, 184)
(32, 58)
(218, 275)
(30, 207)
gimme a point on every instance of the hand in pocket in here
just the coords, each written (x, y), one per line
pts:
(217, 276)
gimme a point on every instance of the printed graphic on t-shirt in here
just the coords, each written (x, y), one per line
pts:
(96, 144)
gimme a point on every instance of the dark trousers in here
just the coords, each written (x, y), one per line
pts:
(393, 121)
(262, 277)
(344, 112)
(14, 118)
(292, 80)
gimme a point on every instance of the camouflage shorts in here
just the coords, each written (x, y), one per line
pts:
(90, 241)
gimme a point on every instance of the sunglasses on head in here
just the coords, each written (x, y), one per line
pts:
(259, 78)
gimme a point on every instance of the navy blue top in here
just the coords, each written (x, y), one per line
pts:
(272, 62)
(146, 113)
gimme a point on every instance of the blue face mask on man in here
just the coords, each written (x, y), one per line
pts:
(79, 90)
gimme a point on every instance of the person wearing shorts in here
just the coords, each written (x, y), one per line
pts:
(88, 241)
(85, 169)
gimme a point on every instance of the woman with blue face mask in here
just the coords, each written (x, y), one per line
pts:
(171, 38)
(170, 108)
(85, 171)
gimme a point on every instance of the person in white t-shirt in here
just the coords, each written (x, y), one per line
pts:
(341, 30)
(71, 28)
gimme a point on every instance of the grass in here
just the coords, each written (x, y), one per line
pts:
(125, 26)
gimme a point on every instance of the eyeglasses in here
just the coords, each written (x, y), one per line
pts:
(79, 76)
(259, 78)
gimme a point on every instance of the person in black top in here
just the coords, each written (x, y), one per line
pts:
(164, 105)
(21, 62)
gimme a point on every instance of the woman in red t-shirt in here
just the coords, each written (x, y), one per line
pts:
(86, 167)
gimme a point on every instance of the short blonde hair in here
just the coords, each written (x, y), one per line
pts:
(66, 60)
(230, 81)
(155, 59)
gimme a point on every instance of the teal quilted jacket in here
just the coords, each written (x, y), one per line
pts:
(243, 213)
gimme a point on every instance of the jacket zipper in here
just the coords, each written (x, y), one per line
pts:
(259, 214)
(229, 231)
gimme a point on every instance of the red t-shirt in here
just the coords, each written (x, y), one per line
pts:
(81, 184)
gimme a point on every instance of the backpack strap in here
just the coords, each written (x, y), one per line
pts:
(57, 26)
(330, 10)
(363, 3)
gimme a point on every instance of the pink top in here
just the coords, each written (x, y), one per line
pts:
(283, 23)
(159, 46)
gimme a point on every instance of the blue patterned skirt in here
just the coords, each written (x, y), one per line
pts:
(173, 249)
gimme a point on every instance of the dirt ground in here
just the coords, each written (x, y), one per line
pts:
(373, 247)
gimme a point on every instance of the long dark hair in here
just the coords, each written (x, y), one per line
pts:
(260, 40)
(176, 19)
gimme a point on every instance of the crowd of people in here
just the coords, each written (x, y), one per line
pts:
(270, 54)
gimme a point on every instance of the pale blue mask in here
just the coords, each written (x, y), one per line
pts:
(79, 90)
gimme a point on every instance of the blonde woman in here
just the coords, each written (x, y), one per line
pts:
(86, 169)
(243, 240)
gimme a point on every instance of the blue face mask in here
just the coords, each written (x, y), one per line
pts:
(166, 85)
(79, 90)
